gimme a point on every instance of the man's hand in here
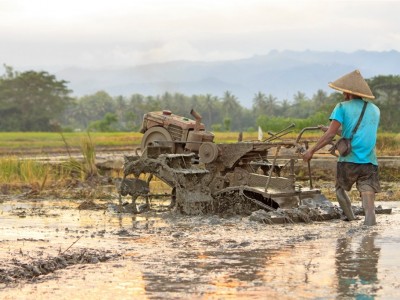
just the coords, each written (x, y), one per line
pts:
(323, 127)
(324, 140)
(307, 155)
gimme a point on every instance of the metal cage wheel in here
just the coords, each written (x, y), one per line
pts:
(157, 134)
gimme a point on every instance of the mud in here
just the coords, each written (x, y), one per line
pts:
(74, 249)
(28, 269)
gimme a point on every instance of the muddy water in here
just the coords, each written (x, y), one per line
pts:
(169, 256)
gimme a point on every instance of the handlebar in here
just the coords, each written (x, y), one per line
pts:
(279, 133)
(301, 149)
(304, 130)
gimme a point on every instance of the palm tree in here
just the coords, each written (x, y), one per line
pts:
(319, 99)
(271, 105)
(259, 103)
(209, 106)
(230, 103)
(232, 109)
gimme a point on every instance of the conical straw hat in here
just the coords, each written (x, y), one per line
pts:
(353, 83)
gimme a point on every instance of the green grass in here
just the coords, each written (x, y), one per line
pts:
(15, 171)
(388, 144)
(30, 172)
(20, 142)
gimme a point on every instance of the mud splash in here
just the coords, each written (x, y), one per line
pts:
(164, 255)
(18, 270)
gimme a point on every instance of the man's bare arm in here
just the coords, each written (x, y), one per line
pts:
(324, 140)
(325, 128)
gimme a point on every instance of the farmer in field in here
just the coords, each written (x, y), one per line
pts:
(360, 166)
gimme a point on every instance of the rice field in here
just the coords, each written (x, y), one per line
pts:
(30, 172)
(388, 144)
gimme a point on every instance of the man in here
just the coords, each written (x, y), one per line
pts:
(361, 165)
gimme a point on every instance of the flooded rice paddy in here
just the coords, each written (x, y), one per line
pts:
(51, 249)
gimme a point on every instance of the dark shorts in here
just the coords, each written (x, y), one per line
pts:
(364, 175)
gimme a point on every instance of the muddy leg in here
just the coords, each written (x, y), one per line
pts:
(134, 208)
(345, 203)
(146, 206)
(148, 191)
(368, 202)
(173, 198)
(120, 193)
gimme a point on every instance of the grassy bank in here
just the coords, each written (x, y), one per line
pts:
(14, 143)
(18, 142)
(17, 175)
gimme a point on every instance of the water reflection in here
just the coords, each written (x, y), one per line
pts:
(214, 274)
(357, 267)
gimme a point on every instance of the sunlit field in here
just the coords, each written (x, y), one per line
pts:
(388, 144)
(20, 141)
(15, 173)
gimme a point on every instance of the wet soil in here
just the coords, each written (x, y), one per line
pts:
(52, 248)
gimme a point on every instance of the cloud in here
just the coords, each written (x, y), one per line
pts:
(126, 32)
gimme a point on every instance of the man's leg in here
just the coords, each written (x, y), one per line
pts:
(368, 203)
(345, 203)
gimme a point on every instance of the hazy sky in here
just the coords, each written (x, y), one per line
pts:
(114, 33)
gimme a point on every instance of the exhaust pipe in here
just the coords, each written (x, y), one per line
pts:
(198, 119)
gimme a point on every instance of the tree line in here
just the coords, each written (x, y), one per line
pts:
(38, 101)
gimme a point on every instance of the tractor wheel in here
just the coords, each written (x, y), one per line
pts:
(157, 134)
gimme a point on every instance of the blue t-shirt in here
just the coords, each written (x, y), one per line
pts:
(363, 142)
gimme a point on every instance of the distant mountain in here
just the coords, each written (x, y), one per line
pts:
(280, 73)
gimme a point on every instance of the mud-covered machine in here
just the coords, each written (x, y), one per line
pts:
(205, 177)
